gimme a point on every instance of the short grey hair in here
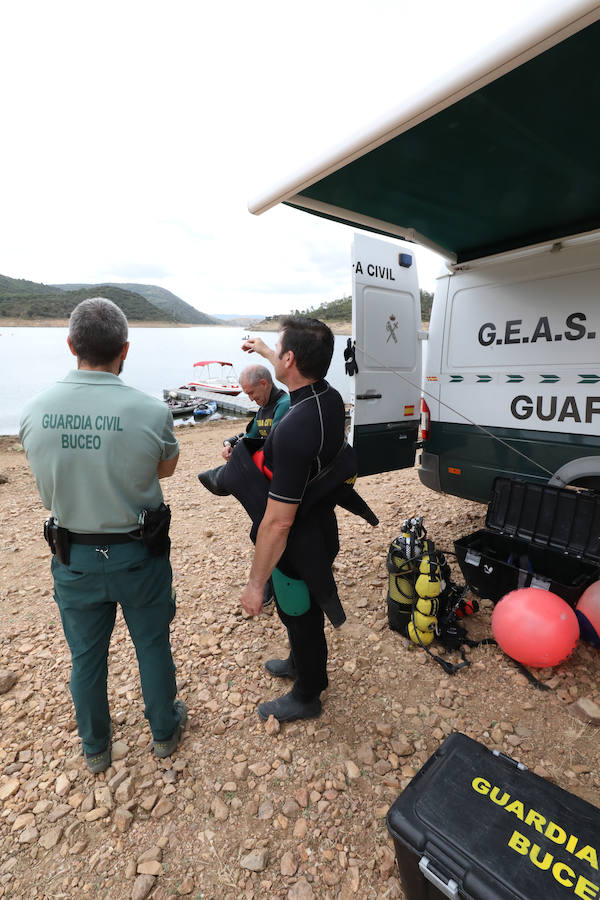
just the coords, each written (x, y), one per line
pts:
(253, 374)
(98, 330)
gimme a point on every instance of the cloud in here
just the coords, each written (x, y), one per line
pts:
(134, 271)
(138, 131)
(286, 286)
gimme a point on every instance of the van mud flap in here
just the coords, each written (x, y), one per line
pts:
(429, 471)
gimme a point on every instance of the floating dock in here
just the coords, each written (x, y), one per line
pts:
(237, 406)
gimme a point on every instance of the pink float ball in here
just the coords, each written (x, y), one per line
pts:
(588, 613)
(535, 627)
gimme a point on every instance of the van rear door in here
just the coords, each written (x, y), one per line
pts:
(386, 324)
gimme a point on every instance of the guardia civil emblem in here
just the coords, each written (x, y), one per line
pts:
(391, 326)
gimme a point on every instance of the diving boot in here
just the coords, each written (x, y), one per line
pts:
(281, 668)
(212, 480)
(288, 708)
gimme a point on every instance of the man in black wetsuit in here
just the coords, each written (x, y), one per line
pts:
(306, 441)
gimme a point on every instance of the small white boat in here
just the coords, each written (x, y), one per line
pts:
(225, 382)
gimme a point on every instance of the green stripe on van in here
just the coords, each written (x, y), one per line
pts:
(480, 458)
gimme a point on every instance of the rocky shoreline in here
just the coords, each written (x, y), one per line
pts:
(336, 327)
(245, 810)
(273, 325)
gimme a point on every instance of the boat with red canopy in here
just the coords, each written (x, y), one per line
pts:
(225, 382)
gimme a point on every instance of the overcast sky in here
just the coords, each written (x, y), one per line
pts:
(134, 134)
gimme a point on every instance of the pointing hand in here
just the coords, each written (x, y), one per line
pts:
(257, 345)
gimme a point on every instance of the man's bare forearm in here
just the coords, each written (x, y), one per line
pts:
(270, 543)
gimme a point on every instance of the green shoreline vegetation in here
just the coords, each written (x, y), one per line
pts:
(31, 303)
(340, 311)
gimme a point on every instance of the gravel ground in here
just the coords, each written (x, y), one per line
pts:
(244, 810)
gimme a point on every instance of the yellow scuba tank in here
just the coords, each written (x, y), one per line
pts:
(423, 601)
(402, 561)
(401, 583)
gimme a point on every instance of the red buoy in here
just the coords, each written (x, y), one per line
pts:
(535, 627)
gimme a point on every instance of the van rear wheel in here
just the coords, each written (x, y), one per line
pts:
(579, 473)
(591, 483)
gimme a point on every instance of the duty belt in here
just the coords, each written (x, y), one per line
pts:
(95, 540)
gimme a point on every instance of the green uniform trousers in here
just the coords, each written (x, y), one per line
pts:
(87, 592)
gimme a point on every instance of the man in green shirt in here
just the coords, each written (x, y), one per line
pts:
(273, 402)
(97, 449)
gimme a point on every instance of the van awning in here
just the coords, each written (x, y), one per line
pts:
(501, 156)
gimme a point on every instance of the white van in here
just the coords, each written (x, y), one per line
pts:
(496, 168)
(510, 380)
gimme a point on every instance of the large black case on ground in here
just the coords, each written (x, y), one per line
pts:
(535, 536)
(475, 824)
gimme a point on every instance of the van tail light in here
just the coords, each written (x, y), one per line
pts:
(425, 420)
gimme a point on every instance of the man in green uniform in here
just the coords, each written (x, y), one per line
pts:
(273, 402)
(97, 449)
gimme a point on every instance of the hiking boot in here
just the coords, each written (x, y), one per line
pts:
(288, 708)
(211, 479)
(281, 668)
(166, 748)
(98, 762)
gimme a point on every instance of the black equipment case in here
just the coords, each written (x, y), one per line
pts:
(536, 535)
(475, 824)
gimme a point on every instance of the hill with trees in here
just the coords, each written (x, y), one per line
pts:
(19, 287)
(169, 303)
(21, 299)
(341, 310)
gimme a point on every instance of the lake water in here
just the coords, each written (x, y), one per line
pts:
(34, 358)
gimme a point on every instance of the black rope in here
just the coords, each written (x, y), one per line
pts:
(539, 685)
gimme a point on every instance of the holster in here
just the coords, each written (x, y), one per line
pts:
(154, 529)
(58, 540)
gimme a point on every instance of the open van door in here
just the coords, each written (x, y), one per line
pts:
(385, 392)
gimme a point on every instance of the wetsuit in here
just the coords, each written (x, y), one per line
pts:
(305, 442)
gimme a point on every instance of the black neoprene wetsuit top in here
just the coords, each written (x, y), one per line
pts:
(305, 440)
